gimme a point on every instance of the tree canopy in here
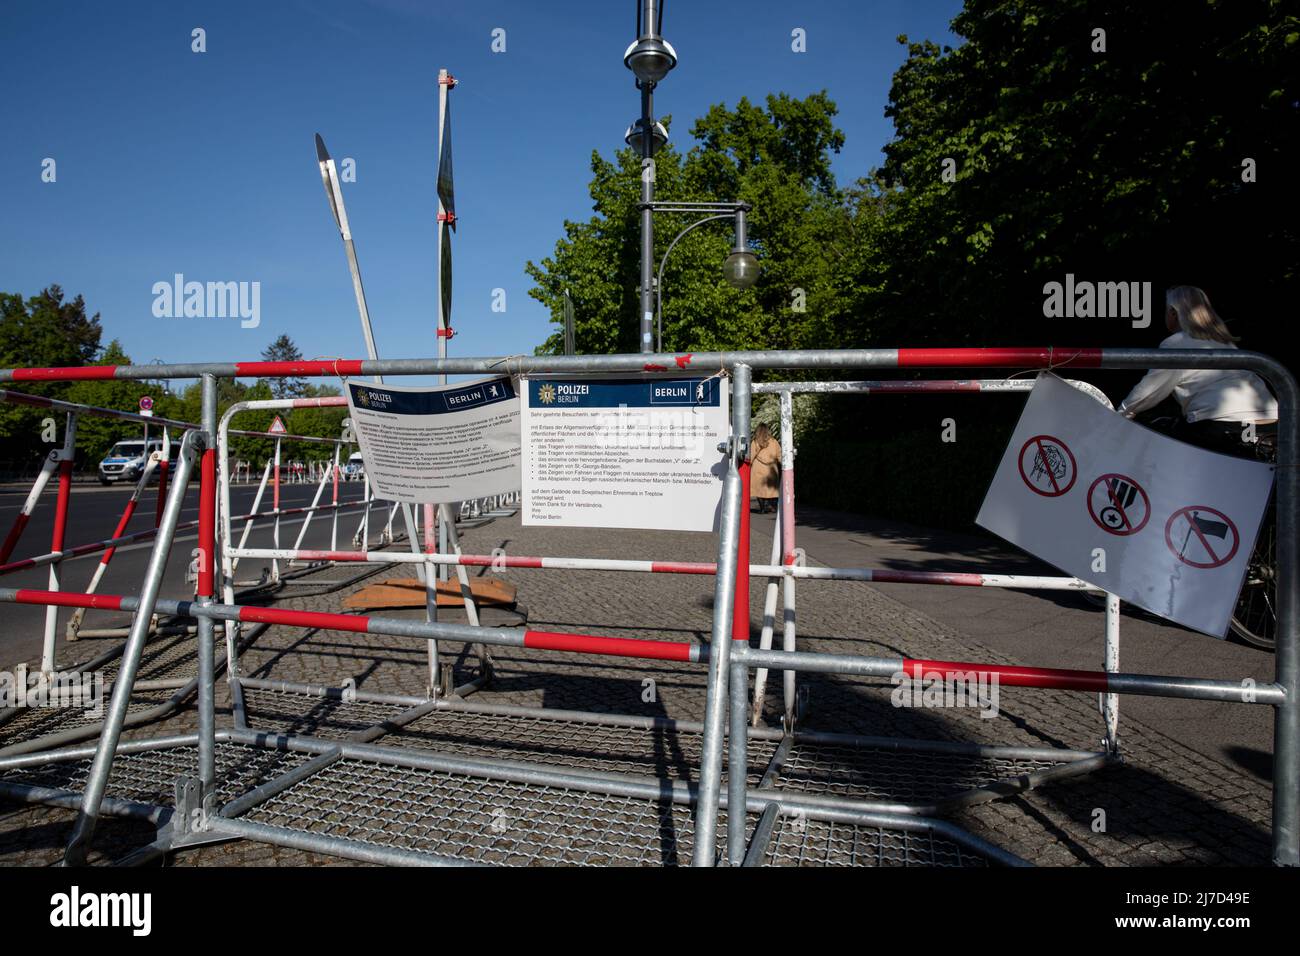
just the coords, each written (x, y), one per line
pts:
(45, 330)
(1133, 142)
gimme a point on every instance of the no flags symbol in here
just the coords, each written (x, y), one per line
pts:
(1202, 537)
(1118, 504)
(1047, 466)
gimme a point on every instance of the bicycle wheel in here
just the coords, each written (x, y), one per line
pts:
(1254, 619)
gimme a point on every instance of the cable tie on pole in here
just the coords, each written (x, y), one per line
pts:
(448, 81)
(446, 333)
(447, 217)
(334, 359)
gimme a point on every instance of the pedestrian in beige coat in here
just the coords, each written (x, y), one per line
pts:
(764, 469)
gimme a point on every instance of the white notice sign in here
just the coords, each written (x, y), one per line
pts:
(435, 445)
(624, 453)
(1082, 488)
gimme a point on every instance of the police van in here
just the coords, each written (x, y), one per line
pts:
(125, 461)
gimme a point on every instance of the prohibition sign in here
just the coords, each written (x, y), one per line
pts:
(1047, 466)
(1118, 504)
(1202, 537)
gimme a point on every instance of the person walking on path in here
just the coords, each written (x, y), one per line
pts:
(765, 469)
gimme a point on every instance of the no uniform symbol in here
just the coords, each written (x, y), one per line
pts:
(1201, 536)
(1047, 466)
(1118, 504)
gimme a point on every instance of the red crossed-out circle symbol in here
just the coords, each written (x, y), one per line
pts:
(1118, 504)
(1202, 537)
(1047, 466)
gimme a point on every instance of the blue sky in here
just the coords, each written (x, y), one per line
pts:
(172, 161)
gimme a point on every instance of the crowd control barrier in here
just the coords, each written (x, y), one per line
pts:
(314, 778)
(786, 562)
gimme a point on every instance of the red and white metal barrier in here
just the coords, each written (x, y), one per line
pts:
(791, 558)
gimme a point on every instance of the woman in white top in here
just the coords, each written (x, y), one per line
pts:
(1220, 404)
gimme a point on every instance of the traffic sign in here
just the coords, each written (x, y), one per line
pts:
(1118, 504)
(1202, 537)
(1047, 466)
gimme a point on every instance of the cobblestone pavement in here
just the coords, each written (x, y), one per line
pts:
(1166, 805)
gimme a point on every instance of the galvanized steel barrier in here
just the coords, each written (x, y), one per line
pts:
(200, 817)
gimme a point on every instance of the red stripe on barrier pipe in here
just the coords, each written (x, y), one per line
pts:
(740, 604)
(207, 521)
(787, 515)
(317, 619)
(16, 532)
(61, 507)
(608, 646)
(309, 555)
(77, 373)
(328, 401)
(1047, 677)
(683, 567)
(104, 602)
(1001, 357)
(269, 369)
(120, 529)
(502, 561)
(958, 578)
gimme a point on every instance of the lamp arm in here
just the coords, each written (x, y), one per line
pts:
(659, 279)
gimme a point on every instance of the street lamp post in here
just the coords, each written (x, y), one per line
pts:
(651, 58)
(740, 268)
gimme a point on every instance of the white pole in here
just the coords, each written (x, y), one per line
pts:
(444, 85)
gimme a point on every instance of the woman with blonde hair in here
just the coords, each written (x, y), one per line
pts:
(764, 469)
(1219, 405)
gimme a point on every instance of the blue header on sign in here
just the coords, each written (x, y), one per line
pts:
(613, 393)
(379, 398)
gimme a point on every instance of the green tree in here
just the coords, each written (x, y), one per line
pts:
(283, 350)
(804, 230)
(1127, 164)
(41, 331)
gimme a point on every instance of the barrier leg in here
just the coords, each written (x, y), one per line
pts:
(738, 763)
(1286, 715)
(84, 828)
(74, 624)
(769, 619)
(56, 542)
(20, 522)
(275, 506)
(257, 503)
(206, 590)
(1110, 702)
(334, 527)
(467, 595)
(716, 701)
(787, 644)
(306, 522)
(791, 555)
(431, 597)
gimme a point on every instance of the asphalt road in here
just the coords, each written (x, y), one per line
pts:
(93, 513)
